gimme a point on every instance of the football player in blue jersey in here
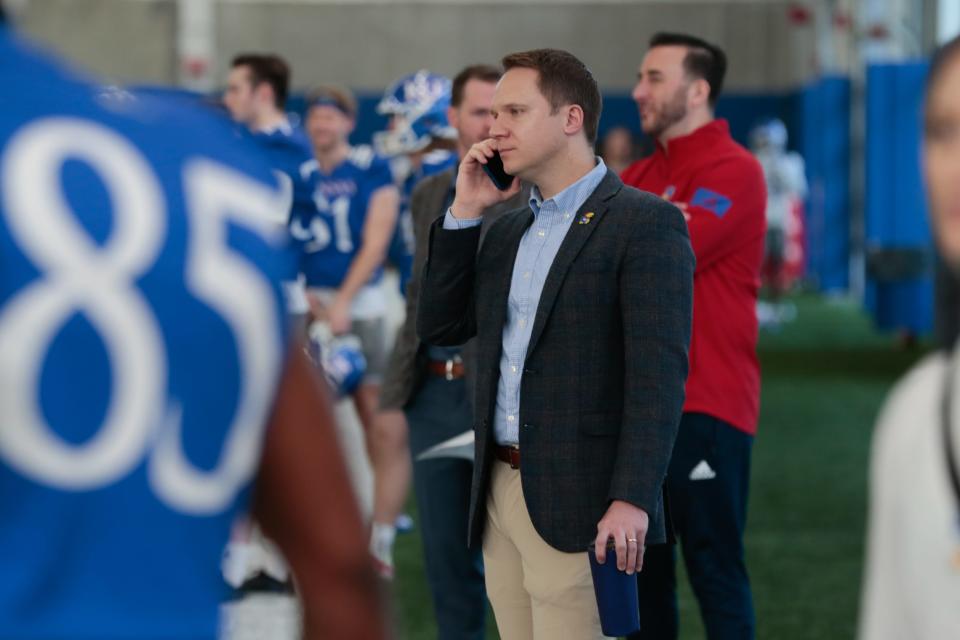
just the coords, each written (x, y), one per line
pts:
(146, 375)
(419, 142)
(343, 265)
(256, 96)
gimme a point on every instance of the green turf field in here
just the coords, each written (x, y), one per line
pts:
(824, 377)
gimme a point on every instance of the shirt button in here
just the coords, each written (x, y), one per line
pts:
(566, 216)
(526, 275)
(523, 322)
(541, 233)
(509, 418)
(513, 369)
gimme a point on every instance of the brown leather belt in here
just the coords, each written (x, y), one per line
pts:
(508, 454)
(449, 369)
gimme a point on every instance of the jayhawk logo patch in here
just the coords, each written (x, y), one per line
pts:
(712, 201)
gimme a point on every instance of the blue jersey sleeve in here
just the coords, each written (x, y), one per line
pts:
(380, 174)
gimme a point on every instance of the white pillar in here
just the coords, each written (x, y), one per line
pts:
(196, 44)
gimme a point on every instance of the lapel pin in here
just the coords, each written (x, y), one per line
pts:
(586, 218)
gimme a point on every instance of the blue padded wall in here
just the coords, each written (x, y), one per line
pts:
(896, 215)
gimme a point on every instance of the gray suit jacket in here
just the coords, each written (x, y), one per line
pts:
(405, 369)
(603, 382)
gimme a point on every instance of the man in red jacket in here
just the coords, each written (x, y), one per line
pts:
(719, 186)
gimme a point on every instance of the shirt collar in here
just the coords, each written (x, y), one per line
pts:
(572, 197)
(283, 126)
(695, 140)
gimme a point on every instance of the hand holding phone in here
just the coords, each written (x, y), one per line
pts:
(478, 186)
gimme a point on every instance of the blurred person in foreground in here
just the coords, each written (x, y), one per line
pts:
(148, 385)
(344, 252)
(719, 186)
(911, 584)
(581, 305)
(432, 386)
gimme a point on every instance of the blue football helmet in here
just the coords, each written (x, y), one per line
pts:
(339, 358)
(769, 134)
(417, 104)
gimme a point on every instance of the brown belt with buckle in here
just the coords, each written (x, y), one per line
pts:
(509, 454)
(449, 369)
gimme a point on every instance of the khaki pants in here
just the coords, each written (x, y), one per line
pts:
(537, 592)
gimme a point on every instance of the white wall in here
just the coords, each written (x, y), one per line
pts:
(367, 44)
(118, 39)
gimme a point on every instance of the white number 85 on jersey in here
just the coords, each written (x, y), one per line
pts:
(78, 276)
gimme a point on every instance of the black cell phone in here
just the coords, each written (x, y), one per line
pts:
(498, 175)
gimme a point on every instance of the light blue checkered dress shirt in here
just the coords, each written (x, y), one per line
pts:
(538, 248)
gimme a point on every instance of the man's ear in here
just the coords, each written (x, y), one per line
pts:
(453, 117)
(699, 92)
(573, 122)
(264, 92)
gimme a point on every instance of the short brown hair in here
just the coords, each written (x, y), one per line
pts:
(334, 96)
(481, 72)
(703, 60)
(269, 68)
(563, 79)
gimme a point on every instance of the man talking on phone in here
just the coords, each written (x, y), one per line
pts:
(581, 307)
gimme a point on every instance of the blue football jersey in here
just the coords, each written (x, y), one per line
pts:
(333, 238)
(142, 339)
(400, 253)
(286, 149)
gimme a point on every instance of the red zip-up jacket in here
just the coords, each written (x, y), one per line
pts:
(721, 189)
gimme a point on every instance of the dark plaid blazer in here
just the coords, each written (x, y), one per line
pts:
(603, 383)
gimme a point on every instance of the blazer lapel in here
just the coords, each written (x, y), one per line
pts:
(573, 242)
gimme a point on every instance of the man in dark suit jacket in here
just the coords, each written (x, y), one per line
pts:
(581, 308)
(429, 386)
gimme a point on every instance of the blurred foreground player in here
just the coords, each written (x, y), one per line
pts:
(142, 357)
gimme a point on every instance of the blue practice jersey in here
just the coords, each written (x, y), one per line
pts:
(342, 197)
(400, 253)
(286, 149)
(141, 345)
